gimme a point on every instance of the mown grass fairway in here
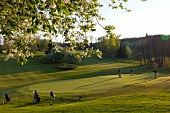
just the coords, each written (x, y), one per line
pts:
(96, 80)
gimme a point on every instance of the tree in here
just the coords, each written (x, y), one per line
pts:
(63, 55)
(129, 52)
(1, 42)
(122, 51)
(19, 19)
(152, 49)
(166, 64)
(109, 45)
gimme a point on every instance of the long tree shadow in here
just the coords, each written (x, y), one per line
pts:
(95, 73)
(112, 71)
(11, 67)
(95, 83)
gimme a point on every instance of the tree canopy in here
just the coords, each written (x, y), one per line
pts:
(21, 19)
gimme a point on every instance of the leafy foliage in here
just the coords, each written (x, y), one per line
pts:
(109, 45)
(63, 55)
(166, 64)
(155, 65)
(42, 44)
(68, 18)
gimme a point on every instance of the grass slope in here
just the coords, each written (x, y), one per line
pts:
(95, 79)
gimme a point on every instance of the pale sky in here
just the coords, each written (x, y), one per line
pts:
(151, 17)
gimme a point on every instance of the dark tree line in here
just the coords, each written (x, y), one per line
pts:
(122, 51)
(152, 49)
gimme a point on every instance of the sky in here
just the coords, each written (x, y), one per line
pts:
(151, 17)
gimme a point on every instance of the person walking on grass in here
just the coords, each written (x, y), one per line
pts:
(119, 74)
(155, 71)
(131, 72)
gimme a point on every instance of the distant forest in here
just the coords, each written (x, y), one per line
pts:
(147, 50)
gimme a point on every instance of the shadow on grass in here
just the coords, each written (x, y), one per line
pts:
(30, 103)
(113, 71)
(26, 104)
(11, 67)
(58, 100)
(74, 74)
(33, 65)
(61, 100)
(105, 72)
(96, 83)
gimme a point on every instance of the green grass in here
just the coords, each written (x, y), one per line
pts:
(96, 80)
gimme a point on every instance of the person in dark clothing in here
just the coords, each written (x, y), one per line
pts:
(119, 73)
(36, 96)
(7, 99)
(155, 71)
(52, 96)
(131, 72)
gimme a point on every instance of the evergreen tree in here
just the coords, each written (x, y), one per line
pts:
(122, 52)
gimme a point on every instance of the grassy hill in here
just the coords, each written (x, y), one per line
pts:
(96, 80)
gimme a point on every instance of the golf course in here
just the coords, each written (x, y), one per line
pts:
(84, 56)
(94, 80)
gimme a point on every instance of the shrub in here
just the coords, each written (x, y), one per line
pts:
(67, 66)
(155, 65)
(63, 55)
(78, 58)
(58, 57)
(166, 63)
(72, 58)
